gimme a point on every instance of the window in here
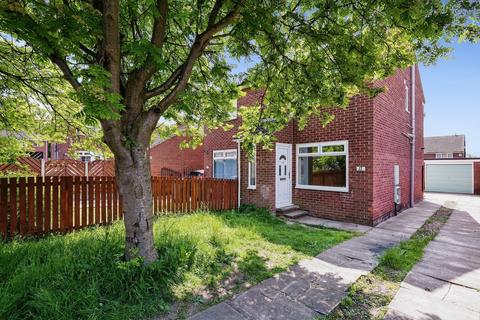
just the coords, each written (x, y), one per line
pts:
(323, 166)
(444, 155)
(225, 164)
(406, 97)
(252, 171)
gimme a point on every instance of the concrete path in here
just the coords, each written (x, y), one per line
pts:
(314, 221)
(445, 284)
(316, 286)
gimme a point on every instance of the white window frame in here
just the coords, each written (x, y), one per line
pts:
(443, 155)
(254, 160)
(320, 152)
(223, 157)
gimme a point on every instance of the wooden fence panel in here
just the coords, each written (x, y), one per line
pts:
(39, 205)
(13, 206)
(3, 207)
(55, 203)
(22, 205)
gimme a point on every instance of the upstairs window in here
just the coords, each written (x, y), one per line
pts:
(225, 164)
(323, 166)
(444, 155)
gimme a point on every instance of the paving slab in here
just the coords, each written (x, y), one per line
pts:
(254, 304)
(314, 221)
(411, 305)
(445, 284)
(221, 311)
(316, 286)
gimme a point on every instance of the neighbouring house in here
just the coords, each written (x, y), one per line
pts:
(445, 147)
(168, 158)
(363, 167)
(59, 151)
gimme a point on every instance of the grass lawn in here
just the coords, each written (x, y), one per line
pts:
(204, 258)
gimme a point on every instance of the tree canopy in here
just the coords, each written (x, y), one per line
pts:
(309, 55)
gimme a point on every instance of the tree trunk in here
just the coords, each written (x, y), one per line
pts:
(134, 184)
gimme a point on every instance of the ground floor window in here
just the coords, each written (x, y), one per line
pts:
(252, 171)
(323, 166)
(225, 164)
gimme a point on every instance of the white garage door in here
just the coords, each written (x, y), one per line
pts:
(453, 178)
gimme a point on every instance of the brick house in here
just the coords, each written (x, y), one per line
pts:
(445, 147)
(348, 171)
(167, 158)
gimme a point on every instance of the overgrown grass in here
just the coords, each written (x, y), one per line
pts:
(369, 297)
(204, 257)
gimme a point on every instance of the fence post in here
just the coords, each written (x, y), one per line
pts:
(42, 167)
(86, 168)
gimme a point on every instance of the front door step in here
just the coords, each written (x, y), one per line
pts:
(295, 214)
(291, 212)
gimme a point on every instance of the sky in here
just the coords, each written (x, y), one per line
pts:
(452, 94)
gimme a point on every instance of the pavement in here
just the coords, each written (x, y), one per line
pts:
(316, 286)
(445, 284)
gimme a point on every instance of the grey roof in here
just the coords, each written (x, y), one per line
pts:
(445, 144)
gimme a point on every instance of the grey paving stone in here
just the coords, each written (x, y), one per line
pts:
(314, 221)
(221, 311)
(421, 305)
(445, 284)
(257, 306)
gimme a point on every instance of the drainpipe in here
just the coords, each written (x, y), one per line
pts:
(413, 141)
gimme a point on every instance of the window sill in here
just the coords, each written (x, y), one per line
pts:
(252, 188)
(321, 188)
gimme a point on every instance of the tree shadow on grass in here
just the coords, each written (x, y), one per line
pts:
(307, 240)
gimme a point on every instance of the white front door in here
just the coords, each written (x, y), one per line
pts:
(283, 176)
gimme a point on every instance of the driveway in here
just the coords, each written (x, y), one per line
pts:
(445, 284)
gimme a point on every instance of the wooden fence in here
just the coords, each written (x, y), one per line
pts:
(63, 167)
(40, 205)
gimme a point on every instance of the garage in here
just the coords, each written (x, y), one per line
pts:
(452, 176)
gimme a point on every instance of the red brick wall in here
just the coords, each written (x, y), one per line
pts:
(354, 124)
(476, 178)
(375, 131)
(168, 154)
(392, 146)
(264, 194)
(220, 139)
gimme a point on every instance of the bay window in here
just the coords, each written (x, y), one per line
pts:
(323, 166)
(225, 164)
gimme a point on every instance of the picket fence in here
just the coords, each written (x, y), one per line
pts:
(40, 205)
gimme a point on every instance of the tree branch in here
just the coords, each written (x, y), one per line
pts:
(201, 42)
(166, 85)
(214, 13)
(67, 73)
(160, 24)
